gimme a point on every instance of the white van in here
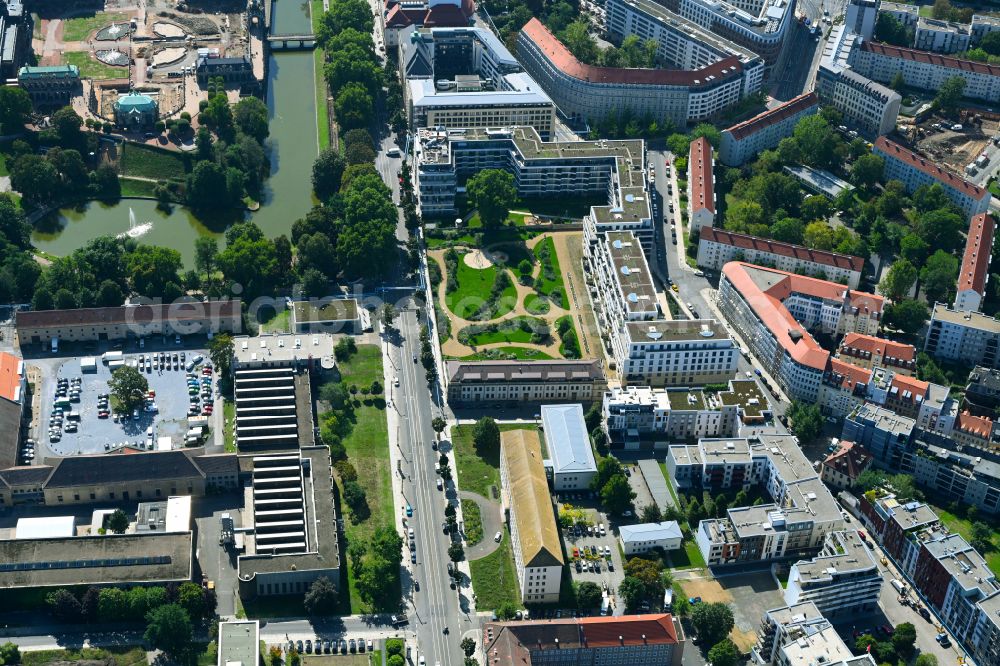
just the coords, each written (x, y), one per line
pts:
(393, 152)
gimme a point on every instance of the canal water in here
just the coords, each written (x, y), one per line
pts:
(287, 192)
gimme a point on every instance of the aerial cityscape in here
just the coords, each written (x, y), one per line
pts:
(513, 333)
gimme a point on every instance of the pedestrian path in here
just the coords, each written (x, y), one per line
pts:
(492, 519)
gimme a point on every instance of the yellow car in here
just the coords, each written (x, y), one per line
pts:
(674, 287)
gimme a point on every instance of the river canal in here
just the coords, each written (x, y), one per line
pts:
(287, 192)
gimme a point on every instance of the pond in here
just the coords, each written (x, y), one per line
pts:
(287, 191)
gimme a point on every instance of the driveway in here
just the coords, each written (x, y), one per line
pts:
(492, 523)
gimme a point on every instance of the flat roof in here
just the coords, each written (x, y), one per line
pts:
(96, 560)
(275, 348)
(322, 311)
(851, 556)
(566, 438)
(239, 643)
(50, 527)
(976, 320)
(724, 450)
(677, 330)
(631, 271)
(555, 371)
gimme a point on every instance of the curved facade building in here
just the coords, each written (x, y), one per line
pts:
(588, 92)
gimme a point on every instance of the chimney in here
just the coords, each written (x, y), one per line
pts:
(644, 639)
(557, 643)
(621, 640)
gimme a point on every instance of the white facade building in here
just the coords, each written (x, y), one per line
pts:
(843, 580)
(941, 36)
(568, 444)
(642, 538)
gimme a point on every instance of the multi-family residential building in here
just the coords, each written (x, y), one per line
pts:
(656, 638)
(799, 634)
(974, 273)
(700, 185)
(773, 309)
(844, 388)
(941, 36)
(465, 77)
(616, 169)
(758, 25)
(867, 351)
(905, 14)
(707, 74)
(717, 247)
(744, 141)
(622, 280)
(842, 468)
(982, 393)
(679, 352)
(802, 514)
(843, 580)
(861, 17)
(400, 15)
(533, 532)
(925, 70)
(642, 538)
(984, 643)
(981, 26)
(914, 170)
(967, 337)
(641, 417)
(522, 382)
(869, 106)
(568, 445)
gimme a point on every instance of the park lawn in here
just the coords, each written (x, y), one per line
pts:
(228, 425)
(474, 288)
(473, 519)
(278, 323)
(516, 219)
(136, 188)
(367, 447)
(479, 474)
(572, 327)
(322, 111)
(148, 162)
(494, 578)
(519, 353)
(573, 207)
(79, 28)
(510, 331)
(994, 188)
(545, 286)
(687, 557)
(92, 68)
(536, 304)
(964, 527)
(116, 656)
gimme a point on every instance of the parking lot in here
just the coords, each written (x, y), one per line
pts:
(594, 556)
(77, 419)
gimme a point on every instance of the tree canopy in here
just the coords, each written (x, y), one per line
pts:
(492, 192)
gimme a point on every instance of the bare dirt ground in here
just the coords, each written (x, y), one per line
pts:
(957, 149)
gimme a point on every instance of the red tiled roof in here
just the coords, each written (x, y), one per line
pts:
(915, 386)
(772, 116)
(769, 307)
(700, 175)
(974, 425)
(599, 632)
(850, 459)
(10, 381)
(400, 17)
(886, 348)
(852, 374)
(978, 251)
(929, 58)
(930, 168)
(567, 63)
(784, 249)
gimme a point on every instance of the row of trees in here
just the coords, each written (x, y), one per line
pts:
(112, 604)
(611, 484)
(352, 69)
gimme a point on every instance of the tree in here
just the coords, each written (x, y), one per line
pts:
(191, 597)
(354, 106)
(818, 236)
(342, 15)
(816, 139)
(118, 522)
(904, 639)
(10, 653)
(169, 629)
(206, 252)
(321, 598)
(891, 30)
(651, 514)
(35, 178)
(588, 596)
(926, 658)
(982, 537)
(15, 108)
(326, 173)
(913, 248)
(898, 280)
(578, 40)
(394, 646)
(950, 93)
(152, 267)
(681, 605)
(989, 43)
(455, 552)
(941, 228)
(867, 171)
(807, 420)
(207, 187)
(128, 387)
(67, 123)
(898, 81)
(251, 117)
(790, 229)
(63, 605)
(492, 192)
(938, 277)
(724, 653)
(486, 436)
(468, 646)
(617, 495)
(713, 621)
(220, 350)
(908, 316)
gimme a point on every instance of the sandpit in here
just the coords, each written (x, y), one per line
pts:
(168, 29)
(169, 55)
(477, 259)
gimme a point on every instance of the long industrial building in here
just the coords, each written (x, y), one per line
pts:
(708, 74)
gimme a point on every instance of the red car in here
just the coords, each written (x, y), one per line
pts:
(102, 415)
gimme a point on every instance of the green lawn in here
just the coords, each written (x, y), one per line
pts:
(79, 28)
(148, 162)
(501, 353)
(367, 448)
(4, 170)
(994, 188)
(92, 68)
(536, 304)
(322, 112)
(474, 288)
(964, 527)
(118, 656)
(516, 219)
(279, 323)
(479, 473)
(689, 557)
(509, 330)
(927, 11)
(544, 285)
(136, 188)
(494, 578)
(229, 421)
(575, 207)
(473, 522)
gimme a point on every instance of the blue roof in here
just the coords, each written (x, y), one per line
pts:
(668, 529)
(566, 438)
(135, 101)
